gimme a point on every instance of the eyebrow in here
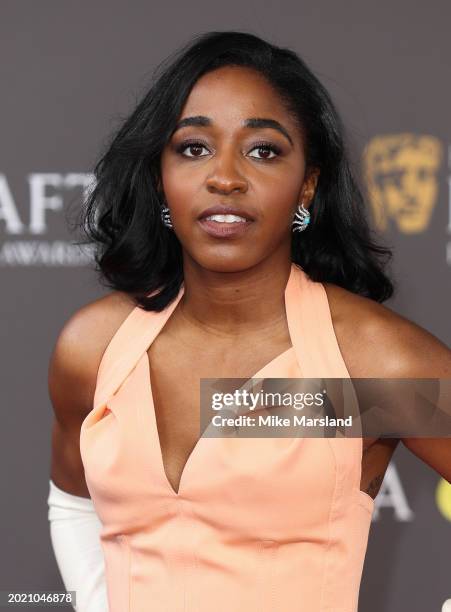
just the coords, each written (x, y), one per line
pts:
(253, 122)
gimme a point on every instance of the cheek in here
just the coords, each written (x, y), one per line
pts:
(279, 203)
(181, 192)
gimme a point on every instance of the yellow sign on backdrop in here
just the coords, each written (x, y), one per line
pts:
(401, 172)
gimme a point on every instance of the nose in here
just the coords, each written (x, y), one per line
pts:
(225, 177)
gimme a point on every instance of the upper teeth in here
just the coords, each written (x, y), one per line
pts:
(226, 218)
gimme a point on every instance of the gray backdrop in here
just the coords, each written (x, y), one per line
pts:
(68, 72)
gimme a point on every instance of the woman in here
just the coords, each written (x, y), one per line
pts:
(233, 234)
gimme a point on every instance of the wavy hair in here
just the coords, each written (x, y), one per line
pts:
(135, 253)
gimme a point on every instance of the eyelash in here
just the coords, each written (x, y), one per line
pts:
(258, 145)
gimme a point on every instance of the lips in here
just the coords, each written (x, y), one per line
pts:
(226, 210)
(225, 230)
(228, 229)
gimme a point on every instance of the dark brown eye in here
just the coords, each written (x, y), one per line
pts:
(266, 149)
(194, 147)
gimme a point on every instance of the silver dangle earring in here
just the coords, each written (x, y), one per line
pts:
(166, 216)
(301, 219)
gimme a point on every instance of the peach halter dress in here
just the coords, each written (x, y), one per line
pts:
(258, 524)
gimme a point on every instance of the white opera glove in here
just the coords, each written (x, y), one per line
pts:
(74, 531)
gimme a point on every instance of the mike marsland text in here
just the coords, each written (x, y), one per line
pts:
(261, 420)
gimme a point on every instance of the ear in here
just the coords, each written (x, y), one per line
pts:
(309, 187)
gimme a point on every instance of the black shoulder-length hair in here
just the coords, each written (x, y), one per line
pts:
(135, 253)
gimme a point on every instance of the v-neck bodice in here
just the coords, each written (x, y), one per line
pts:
(251, 527)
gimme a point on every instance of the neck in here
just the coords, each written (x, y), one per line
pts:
(228, 304)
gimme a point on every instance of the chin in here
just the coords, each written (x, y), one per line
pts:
(218, 261)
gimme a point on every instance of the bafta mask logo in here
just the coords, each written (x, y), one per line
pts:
(401, 173)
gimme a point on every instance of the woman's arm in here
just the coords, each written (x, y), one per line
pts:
(74, 525)
(376, 342)
(422, 355)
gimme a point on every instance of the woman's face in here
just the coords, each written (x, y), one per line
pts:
(215, 159)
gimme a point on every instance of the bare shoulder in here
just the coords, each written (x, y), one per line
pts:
(78, 351)
(375, 341)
